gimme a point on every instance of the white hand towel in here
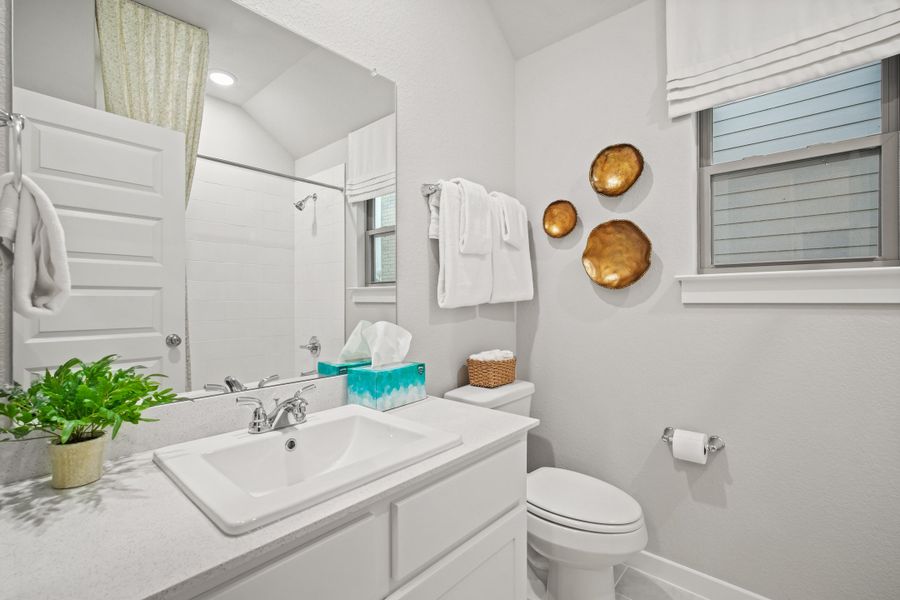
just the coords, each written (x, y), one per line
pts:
(434, 205)
(510, 264)
(463, 279)
(41, 281)
(9, 211)
(475, 219)
(514, 223)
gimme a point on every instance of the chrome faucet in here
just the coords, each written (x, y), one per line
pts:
(286, 412)
(234, 385)
(267, 380)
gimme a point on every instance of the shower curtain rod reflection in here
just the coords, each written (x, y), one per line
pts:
(268, 172)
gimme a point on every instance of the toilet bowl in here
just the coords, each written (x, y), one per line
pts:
(579, 527)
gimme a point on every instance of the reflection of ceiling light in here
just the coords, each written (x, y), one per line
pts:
(222, 78)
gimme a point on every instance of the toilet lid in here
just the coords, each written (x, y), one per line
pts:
(578, 500)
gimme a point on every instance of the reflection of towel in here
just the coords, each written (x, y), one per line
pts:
(511, 255)
(463, 279)
(434, 205)
(474, 219)
(41, 282)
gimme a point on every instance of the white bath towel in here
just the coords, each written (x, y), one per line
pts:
(475, 232)
(463, 279)
(41, 281)
(511, 254)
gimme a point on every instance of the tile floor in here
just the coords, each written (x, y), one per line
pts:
(631, 584)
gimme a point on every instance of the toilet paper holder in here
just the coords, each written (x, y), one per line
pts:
(715, 442)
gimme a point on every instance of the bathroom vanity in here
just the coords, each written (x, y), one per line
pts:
(450, 526)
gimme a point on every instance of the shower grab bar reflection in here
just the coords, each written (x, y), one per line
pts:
(231, 163)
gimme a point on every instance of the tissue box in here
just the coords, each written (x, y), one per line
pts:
(340, 368)
(384, 388)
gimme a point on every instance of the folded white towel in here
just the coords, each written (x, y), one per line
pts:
(475, 219)
(463, 279)
(9, 211)
(510, 262)
(41, 281)
(495, 354)
(434, 206)
(514, 222)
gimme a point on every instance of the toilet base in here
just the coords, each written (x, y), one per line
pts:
(569, 583)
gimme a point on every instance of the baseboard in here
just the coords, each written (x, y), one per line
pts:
(689, 579)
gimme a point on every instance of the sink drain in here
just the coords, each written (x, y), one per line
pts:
(290, 445)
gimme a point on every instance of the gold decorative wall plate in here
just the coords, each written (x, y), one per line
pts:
(616, 169)
(560, 218)
(617, 254)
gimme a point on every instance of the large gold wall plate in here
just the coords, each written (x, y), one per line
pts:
(560, 218)
(616, 169)
(617, 254)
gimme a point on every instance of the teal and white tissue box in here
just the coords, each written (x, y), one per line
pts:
(384, 388)
(327, 367)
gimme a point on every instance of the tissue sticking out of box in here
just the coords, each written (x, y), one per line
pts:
(388, 342)
(493, 355)
(356, 348)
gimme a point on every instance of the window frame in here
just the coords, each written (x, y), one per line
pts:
(370, 234)
(889, 186)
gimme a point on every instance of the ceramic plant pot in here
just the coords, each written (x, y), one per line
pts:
(78, 464)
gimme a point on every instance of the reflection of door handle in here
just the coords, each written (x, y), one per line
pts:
(173, 340)
(313, 346)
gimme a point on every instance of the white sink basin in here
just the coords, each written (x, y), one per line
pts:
(243, 481)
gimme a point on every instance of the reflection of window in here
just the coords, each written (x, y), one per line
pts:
(803, 177)
(381, 240)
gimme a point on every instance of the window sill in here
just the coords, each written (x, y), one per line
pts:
(374, 294)
(869, 285)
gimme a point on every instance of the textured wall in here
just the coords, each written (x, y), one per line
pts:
(802, 504)
(455, 98)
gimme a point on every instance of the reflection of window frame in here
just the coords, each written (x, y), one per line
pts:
(371, 234)
(885, 142)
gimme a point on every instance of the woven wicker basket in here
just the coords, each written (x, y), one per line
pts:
(491, 373)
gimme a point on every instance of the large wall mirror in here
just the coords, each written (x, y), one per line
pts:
(226, 188)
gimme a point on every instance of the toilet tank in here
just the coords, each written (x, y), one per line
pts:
(514, 397)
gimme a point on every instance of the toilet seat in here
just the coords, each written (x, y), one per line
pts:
(578, 501)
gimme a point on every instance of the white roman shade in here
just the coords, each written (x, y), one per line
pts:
(372, 161)
(719, 51)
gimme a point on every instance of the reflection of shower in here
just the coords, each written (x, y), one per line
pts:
(301, 204)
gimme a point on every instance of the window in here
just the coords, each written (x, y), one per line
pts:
(804, 177)
(381, 240)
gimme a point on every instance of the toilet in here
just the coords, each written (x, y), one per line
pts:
(578, 526)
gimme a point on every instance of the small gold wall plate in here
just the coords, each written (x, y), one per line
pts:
(616, 169)
(560, 218)
(617, 254)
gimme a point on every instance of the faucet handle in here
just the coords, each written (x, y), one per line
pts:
(307, 388)
(260, 420)
(249, 401)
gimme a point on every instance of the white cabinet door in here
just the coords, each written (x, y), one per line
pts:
(118, 186)
(348, 564)
(490, 566)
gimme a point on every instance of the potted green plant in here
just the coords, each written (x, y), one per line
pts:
(76, 405)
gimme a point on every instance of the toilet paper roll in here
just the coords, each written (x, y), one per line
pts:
(690, 446)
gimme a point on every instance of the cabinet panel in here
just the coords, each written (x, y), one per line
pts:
(350, 563)
(490, 566)
(428, 523)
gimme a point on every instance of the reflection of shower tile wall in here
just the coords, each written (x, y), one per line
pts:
(240, 274)
(319, 267)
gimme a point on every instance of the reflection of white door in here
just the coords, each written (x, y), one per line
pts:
(118, 185)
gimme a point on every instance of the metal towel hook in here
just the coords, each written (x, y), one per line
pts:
(17, 122)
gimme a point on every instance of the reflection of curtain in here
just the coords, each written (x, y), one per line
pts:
(372, 160)
(154, 70)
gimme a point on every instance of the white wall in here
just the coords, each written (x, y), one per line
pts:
(802, 503)
(54, 50)
(454, 118)
(240, 253)
(319, 268)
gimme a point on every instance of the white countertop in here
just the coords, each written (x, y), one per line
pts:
(133, 534)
